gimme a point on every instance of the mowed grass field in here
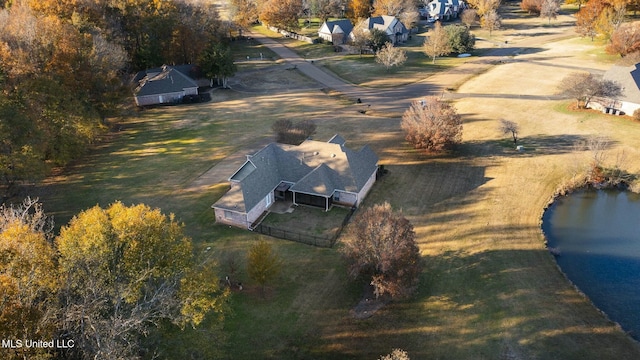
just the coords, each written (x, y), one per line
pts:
(490, 289)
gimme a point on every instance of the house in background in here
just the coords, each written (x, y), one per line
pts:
(337, 32)
(314, 173)
(168, 84)
(395, 30)
(628, 78)
(444, 10)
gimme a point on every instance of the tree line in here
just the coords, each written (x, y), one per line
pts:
(285, 13)
(65, 65)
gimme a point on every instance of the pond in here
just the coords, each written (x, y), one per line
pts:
(597, 237)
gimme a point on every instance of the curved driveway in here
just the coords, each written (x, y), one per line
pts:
(398, 99)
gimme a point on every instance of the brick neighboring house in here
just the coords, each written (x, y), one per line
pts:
(395, 30)
(337, 32)
(167, 84)
(314, 173)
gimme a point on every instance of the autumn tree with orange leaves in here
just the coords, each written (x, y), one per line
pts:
(381, 249)
(432, 125)
(625, 40)
(282, 14)
(602, 17)
(358, 10)
(29, 280)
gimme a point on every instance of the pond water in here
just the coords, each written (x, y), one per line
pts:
(597, 234)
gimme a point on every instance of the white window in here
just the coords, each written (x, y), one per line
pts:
(268, 200)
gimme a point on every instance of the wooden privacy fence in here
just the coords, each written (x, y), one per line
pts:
(305, 238)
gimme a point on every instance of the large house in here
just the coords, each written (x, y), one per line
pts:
(336, 32)
(314, 173)
(445, 9)
(628, 77)
(395, 30)
(168, 84)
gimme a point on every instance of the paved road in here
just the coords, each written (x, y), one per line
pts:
(398, 99)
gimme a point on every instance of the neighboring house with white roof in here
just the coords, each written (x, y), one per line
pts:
(445, 9)
(336, 31)
(392, 26)
(628, 77)
(314, 173)
(163, 85)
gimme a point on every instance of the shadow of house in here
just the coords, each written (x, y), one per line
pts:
(314, 173)
(164, 85)
(337, 32)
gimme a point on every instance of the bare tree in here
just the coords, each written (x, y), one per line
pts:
(585, 86)
(381, 246)
(289, 133)
(432, 125)
(549, 9)
(391, 56)
(437, 44)
(510, 127)
(491, 21)
(360, 39)
(469, 17)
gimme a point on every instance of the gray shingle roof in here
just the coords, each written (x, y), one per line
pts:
(345, 25)
(383, 22)
(314, 167)
(168, 80)
(337, 139)
(628, 77)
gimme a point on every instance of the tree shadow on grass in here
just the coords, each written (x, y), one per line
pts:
(534, 145)
(494, 304)
(415, 188)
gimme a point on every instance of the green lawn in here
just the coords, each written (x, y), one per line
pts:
(251, 48)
